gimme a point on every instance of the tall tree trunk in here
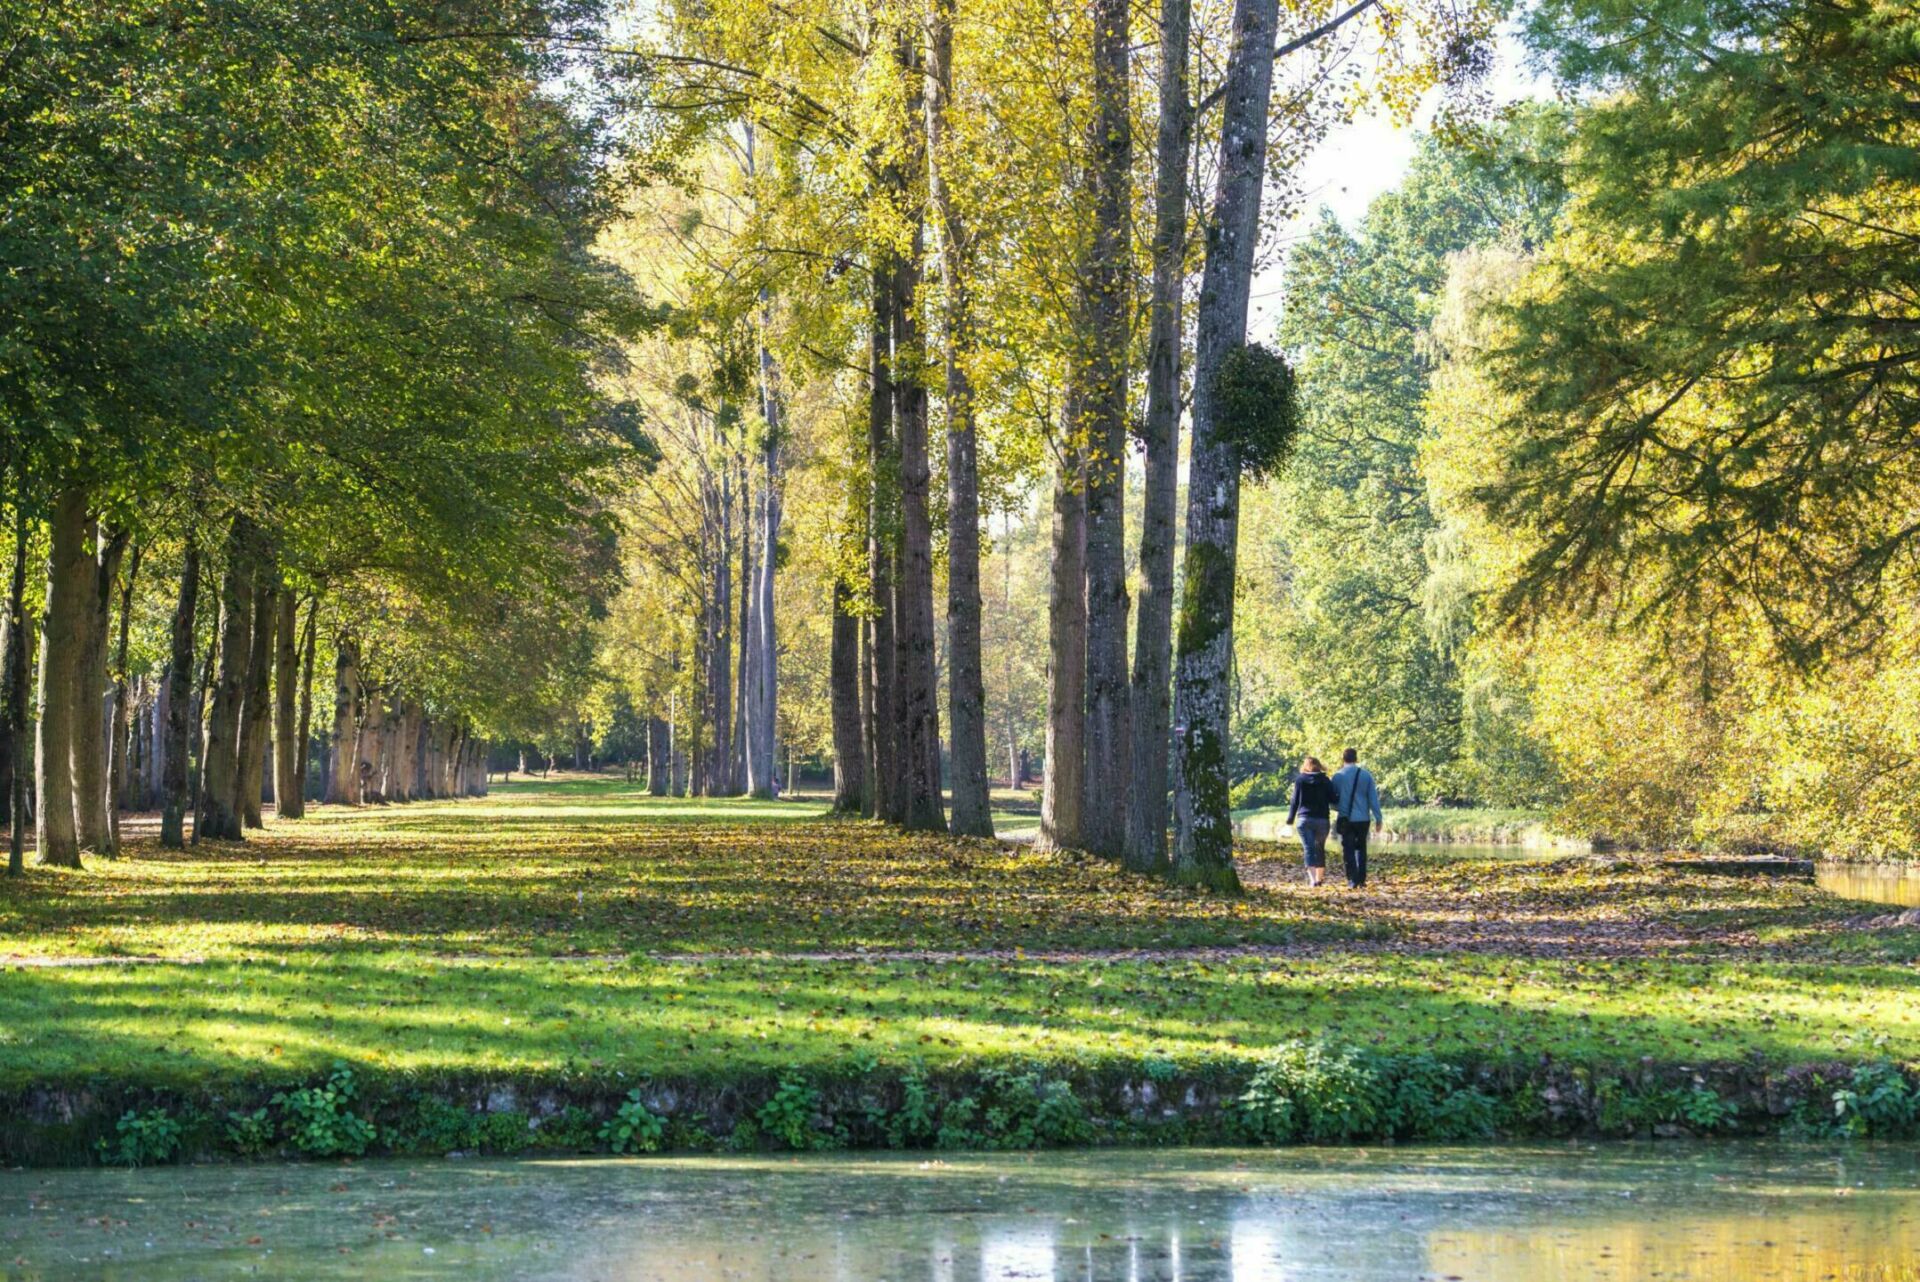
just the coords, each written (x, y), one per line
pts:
(966, 683)
(289, 786)
(720, 659)
(659, 757)
(303, 731)
(344, 787)
(256, 724)
(764, 689)
(1063, 792)
(849, 745)
(92, 807)
(1153, 638)
(373, 732)
(179, 702)
(70, 579)
(921, 809)
(1103, 382)
(1016, 760)
(1203, 827)
(220, 772)
(119, 733)
(882, 521)
(15, 676)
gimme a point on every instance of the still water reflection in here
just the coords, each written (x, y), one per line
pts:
(1881, 883)
(1757, 1213)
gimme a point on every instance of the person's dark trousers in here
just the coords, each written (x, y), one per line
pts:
(1353, 852)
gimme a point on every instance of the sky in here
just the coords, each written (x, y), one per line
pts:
(1364, 158)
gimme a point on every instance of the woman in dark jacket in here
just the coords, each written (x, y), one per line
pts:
(1307, 812)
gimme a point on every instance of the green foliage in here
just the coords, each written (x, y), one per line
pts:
(1256, 407)
(1314, 1092)
(634, 1128)
(319, 1121)
(1429, 1102)
(916, 1121)
(788, 1116)
(249, 1134)
(1876, 1100)
(145, 1138)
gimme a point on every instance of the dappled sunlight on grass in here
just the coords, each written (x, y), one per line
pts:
(588, 931)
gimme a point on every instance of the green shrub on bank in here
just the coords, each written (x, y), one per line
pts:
(1306, 1091)
(142, 1139)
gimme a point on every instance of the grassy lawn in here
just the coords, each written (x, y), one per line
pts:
(581, 930)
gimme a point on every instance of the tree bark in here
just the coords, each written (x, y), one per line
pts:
(179, 701)
(17, 710)
(918, 695)
(119, 734)
(1153, 639)
(303, 732)
(289, 790)
(1203, 828)
(764, 689)
(219, 817)
(373, 733)
(256, 724)
(1063, 791)
(849, 745)
(966, 683)
(70, 578)
(882, 723)
(92, 806)
(344, 786)
(1103, 386)
(659, 757)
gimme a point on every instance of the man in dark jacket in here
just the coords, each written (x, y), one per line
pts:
(1356, 800)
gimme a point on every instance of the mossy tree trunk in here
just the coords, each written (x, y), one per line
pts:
(1153, 636)
(1203, 826)
(1102, 383)
(92, 805)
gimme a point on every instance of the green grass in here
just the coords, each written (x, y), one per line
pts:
(535, 934)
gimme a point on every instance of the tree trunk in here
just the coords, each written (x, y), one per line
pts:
(882, 723)
(1203, 828)
(92, 806)
(1153, 638)
(720, 655)
(344, 787)
(1063, 790)
(849, 745)
(70, 576)
(763, 694)
(373, 737)
(178, 699)
(303, 730)
(1102, 381)
(220, 768)
(289, 785)
(966, 683)
(659, 757)
(119, 735)
(918, 692)
(257, 718)
(15, 689)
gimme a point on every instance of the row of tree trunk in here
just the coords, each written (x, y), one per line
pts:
(107, 740)
(387, 747)
(1109, 730)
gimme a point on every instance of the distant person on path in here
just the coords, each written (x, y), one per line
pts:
(1307, 812)
(1357, 800)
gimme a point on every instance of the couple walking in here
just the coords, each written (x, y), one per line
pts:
(1352, 800)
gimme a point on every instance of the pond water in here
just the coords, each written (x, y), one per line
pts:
(1609, 1213)
(1881, 883)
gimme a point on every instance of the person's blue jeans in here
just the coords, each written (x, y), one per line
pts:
(1313, 839)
